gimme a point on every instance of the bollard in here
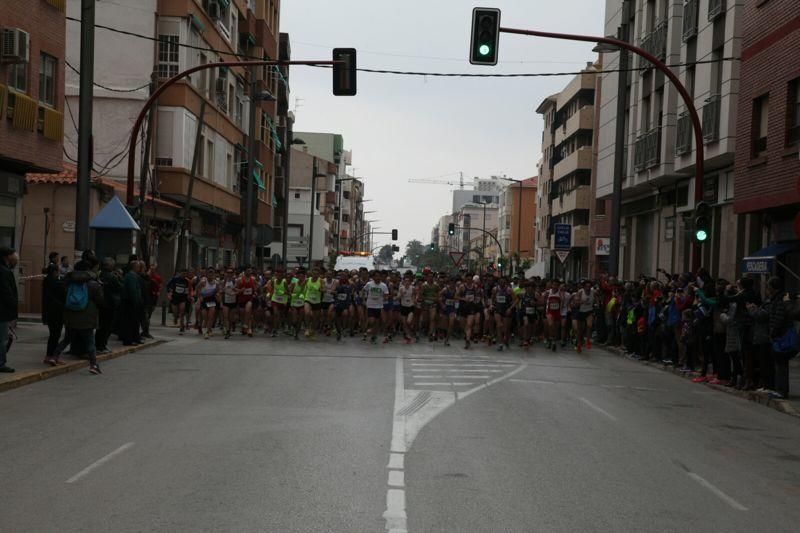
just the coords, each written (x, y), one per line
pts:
(163, 313)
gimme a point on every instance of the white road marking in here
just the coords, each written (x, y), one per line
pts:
(100, 462)
(721, 495)
(462, 395)
(443, 384)
(480, 365)
(478, 370)
(396, 478)
(396, 461)
(598, 409)
(539, 381)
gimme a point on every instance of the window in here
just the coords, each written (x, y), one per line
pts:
(208, 172)
(716, 71)
(47, 80)
(18, 77)
(669, 228)
(167, 56)
(230, 175)
(793, 110)
(265, 134)
(760, 125)
(238, 111)
(297, 196)
(221, 89)
(476, 198)
(600, 208)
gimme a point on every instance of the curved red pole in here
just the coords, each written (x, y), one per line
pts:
(687, 99)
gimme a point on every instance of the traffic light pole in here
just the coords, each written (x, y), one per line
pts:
(660, 65)
(470, 229)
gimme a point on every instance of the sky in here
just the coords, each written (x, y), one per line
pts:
(402, 127)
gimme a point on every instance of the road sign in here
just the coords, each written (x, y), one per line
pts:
(562, 255)
(457, 257)
(563, 233)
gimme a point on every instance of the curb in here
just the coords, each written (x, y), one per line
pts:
(27, 378)
(782, 406)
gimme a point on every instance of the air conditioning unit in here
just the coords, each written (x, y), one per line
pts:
(214, 11)
(15, 46)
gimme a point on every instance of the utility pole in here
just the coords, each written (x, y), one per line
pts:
(85, 127)
(145, 169)
(287, 153)
(619, 146)
(251, 163)
(186, 213)
(311, 213)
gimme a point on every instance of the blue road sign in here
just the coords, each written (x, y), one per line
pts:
(563, 233)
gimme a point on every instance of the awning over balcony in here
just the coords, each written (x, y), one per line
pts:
(764, 260)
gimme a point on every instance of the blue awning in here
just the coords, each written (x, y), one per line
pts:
(114, 216)
(763, 261)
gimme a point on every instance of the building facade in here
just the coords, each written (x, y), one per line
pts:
(190, 33)
(768, 133)
(517, 226)
(565, 173)
(31, 104)
(658, 177)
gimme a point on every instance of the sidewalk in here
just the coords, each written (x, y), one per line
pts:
(790, 406)
(29, 348)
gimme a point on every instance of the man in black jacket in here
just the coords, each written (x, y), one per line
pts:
(111, 280)
(9, 302)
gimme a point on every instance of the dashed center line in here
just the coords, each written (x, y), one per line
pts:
(100, 462)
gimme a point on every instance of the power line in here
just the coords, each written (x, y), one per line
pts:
(76, 71)
(411, 73)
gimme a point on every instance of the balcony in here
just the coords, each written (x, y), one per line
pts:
(575, 199)
(174, 184)
(656, 44)
(683, 140)
(711, 119)
(582, 120)
(690, 11)
(715, 9)
(647, 152)
(579, 159)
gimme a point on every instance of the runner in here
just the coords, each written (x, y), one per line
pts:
(208, 290)
(246, 290)
(504, 301)
(407, 293)
(278, 294)
(178, 294)
(529, 315)
(430, 298)
(229, 305)
(328, 298)
(313, 303)
(553, 302)
(377, 294)
(297, 292)
(344, 304)
(448, 305)
(583, 315)
(468, 308)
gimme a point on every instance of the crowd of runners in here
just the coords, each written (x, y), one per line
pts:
(387, 305)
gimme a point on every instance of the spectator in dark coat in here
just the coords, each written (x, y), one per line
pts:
(111, 279)
(131, 306)
(779, 323)
(147, 299)
(81, 323)
(9, 302)
(53, 296)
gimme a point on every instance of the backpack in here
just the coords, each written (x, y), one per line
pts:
(77, 297)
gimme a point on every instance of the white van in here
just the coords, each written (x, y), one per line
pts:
(354, 262)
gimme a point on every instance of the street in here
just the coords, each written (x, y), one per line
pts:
(282, 435)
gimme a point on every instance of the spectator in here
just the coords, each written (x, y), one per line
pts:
(111, 279)
(147, 300)
(81, 310)
(780, 326)
(131, 306)
(155, 291)
(53, 297)
(9, 303)
(733, 341)
(64, 266)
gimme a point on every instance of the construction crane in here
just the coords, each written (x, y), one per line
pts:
(433, 181)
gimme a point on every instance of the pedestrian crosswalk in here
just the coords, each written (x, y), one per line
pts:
(455, 373)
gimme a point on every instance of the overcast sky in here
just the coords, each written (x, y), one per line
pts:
(413, 127)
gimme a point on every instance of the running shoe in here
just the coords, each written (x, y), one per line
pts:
(94, 369)
(49, 361)
(499, 347)
(588, 344)
(578, 348)
(447, 342)
(274, 334)
(466, 344)
(700, 379)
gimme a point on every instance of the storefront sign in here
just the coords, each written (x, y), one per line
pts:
(758, 265)
(602, 246)
(68, 226)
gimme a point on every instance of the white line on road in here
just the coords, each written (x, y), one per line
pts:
(100, 462)
(539, 381)
(721, 495)
(396, 461)
(598, 409)
(396, 478)
(478, 370)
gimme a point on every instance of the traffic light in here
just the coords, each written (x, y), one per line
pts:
(394, 234)
(485, 36)
(344, 73)
(451, 229)
(500, 264)
(702, 222)
(432, 246)
(395, 248)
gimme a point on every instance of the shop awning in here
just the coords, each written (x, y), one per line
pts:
(114, 216)
(764, 260)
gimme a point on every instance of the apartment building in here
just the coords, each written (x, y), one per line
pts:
(767, 158)
(658, 177)
(31, 103)
(189, 33)
(517, 219)
(565, 173)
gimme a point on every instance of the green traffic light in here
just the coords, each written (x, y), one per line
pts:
(484, 50)
(701, 235)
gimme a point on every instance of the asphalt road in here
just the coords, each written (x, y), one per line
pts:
(283, 436)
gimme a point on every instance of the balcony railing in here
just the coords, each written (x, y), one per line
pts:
(711, 119)
(647, 152)
(690, 11)
(683, 140)
(715, 8)
(655, 43)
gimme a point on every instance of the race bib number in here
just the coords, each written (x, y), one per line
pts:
(280, 298)
(230, 298)
(530, 310)
(248, 292)
(327, 298)
(342, 297)
(298, 302)
(501, 299)
(470, 297)
(449, 302)
(554, 306)
(180, 290)
(211, 304)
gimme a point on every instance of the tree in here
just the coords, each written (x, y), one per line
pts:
(385, 254)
